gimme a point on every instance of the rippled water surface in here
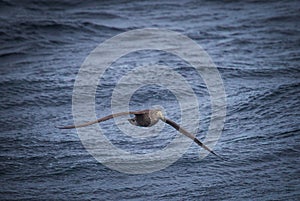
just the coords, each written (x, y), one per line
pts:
(256, 46)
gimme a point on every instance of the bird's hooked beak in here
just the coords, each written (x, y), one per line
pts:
(161, 116)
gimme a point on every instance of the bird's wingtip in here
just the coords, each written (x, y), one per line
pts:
(220, 157)
(59, 127)
(64, 127)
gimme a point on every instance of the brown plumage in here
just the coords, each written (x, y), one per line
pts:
(146, 118)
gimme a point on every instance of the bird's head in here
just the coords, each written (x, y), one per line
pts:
(160, 115)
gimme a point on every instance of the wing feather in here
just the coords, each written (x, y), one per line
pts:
(104, 119)
(191, 136)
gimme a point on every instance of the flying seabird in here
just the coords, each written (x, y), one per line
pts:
(146, 118)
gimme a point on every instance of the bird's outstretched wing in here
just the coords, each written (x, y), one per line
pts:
(188, 134)
(104, 119)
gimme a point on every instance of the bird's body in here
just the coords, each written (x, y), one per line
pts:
(146, 118)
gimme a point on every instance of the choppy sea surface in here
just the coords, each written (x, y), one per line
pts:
(256, 46)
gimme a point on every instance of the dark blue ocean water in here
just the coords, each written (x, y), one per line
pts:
(256, 46)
